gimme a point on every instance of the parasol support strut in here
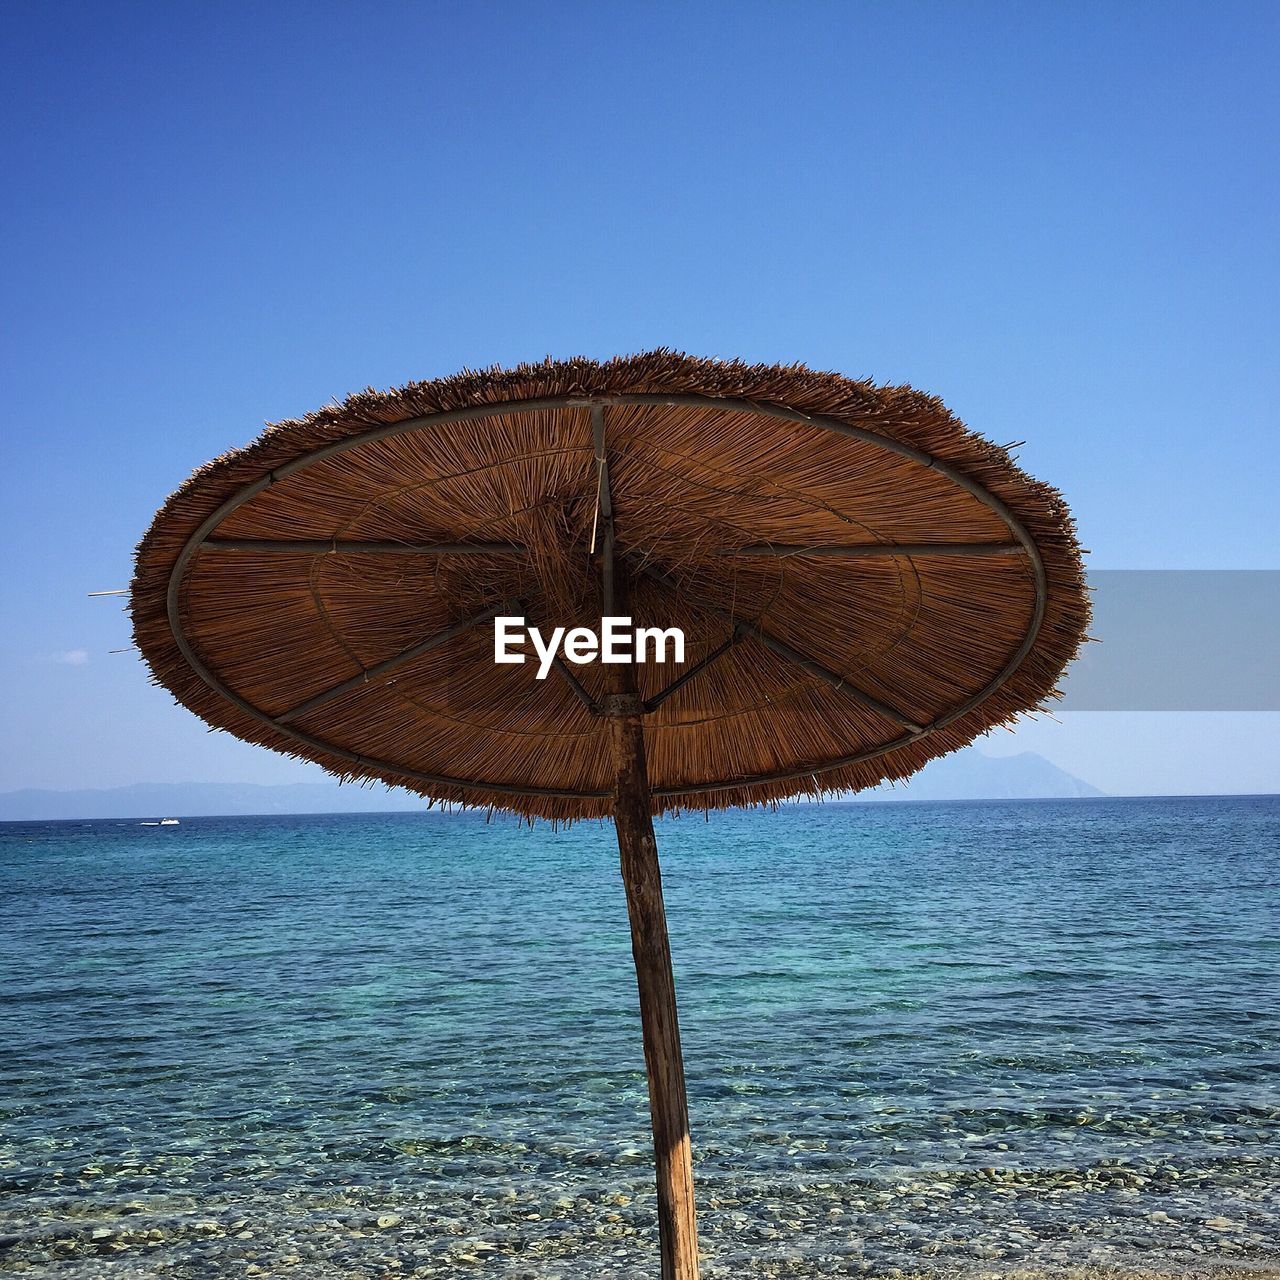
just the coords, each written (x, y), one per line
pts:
(602, 535)
(782, 649)
(650, 946)
(579, 690)
(651, 704)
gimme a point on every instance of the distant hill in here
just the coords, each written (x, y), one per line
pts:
(967, 775)
(203, 799)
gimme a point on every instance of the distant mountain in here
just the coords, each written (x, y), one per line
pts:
(203, 799)
(967, 775)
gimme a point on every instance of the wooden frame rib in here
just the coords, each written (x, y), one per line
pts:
(311, 546)
(388, 666)
(868, 550)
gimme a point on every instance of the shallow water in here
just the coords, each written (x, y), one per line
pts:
(919, 1037)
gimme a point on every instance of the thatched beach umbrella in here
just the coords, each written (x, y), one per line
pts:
(862, 583)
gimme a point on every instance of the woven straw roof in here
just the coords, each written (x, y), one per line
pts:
(789, 521)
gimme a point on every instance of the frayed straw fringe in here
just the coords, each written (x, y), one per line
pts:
(689, 483)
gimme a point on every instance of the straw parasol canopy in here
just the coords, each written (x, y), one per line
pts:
(875, 584)
(862, 584)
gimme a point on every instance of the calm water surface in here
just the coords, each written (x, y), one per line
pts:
(922, 1037)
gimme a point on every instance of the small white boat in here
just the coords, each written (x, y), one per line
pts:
(163, 822)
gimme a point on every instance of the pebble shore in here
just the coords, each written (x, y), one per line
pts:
(1120, 1219)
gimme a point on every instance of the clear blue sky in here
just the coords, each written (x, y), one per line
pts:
(1061, 218)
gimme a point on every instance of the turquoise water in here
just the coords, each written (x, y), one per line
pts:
(918, 1036)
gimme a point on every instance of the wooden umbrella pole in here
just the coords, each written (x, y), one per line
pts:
(642, 877)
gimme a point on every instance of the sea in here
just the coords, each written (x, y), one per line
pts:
(920, 1039)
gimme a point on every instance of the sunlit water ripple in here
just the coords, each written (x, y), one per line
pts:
(918, 1037)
